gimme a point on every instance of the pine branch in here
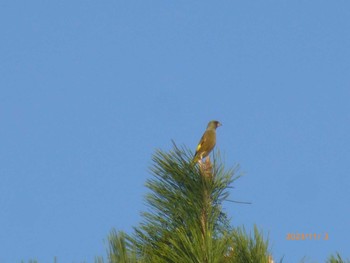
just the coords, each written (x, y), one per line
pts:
(185, 221)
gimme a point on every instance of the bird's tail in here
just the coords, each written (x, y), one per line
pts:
(195, 159)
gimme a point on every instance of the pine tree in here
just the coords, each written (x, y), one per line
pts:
(185, 220)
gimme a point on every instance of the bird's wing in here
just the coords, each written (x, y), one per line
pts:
(201, 142)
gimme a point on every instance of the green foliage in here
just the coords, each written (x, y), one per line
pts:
(185, 221)
(337, 259)
(249, 248)
(121, 248)
(185, 209)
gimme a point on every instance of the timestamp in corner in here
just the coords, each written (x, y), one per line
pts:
(307, 236)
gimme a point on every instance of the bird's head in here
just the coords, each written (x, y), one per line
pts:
(213, 125)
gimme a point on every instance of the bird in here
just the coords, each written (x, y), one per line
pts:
(207, 142)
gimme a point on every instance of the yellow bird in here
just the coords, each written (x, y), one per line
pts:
(207, 142)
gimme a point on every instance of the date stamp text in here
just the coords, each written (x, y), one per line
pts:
(307, 236)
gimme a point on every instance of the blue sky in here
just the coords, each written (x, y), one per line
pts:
(89, 89)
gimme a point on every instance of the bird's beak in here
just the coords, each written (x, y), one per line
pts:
(219, 124)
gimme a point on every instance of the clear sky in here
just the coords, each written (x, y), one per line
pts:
(89, 89)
